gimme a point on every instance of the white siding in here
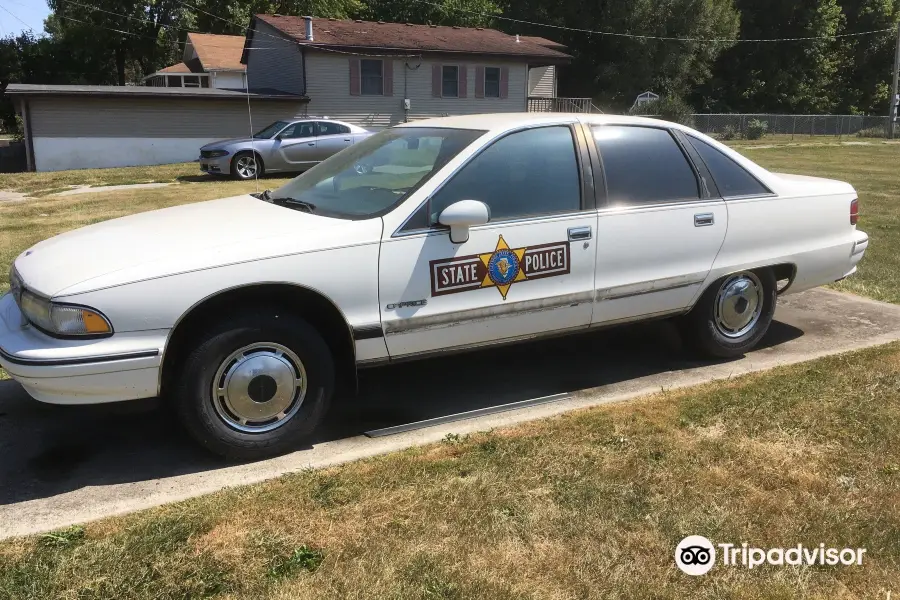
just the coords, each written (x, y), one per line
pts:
(229, 80)
(274, 62)
(542, 82)
(328, 77)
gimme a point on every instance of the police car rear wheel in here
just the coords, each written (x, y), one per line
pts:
(256, 385)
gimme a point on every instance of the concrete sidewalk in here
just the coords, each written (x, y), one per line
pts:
(65, 465)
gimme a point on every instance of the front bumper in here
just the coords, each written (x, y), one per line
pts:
(216, 166)
(122, 367)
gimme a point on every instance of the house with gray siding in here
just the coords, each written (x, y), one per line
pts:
(379, 74)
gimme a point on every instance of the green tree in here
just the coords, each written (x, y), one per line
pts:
(233, 16)
(796, 76)
(864, 75)
(615, 69)
(138, 36)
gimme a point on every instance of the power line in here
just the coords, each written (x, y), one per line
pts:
(16, 18)
(652, 37)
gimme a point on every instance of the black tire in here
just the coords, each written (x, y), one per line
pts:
(240, 174)
(703, 333)
(201, 410)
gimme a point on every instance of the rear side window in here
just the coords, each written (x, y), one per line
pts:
(731, 178)
(644, 165)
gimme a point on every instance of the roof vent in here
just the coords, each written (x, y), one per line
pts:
(381, 22)
(332, 19)
(359, 20)
(409, 24)
(456, 27)
(517, 38)
(432, 25)
(309, 29)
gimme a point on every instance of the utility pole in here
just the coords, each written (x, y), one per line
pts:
(893, 112)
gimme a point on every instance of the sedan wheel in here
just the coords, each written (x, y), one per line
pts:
(255, 385)
(733, 314)
(259, 387)
(245, 166)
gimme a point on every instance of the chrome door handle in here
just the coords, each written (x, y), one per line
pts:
(576, 234)
(311, 144)
(704, 220)
(348, 140)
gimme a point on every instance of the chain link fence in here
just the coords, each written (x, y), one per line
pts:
(738, 126)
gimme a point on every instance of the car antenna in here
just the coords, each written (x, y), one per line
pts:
(250, 119)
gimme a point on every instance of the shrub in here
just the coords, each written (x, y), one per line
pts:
(18, 135)
(756, 129)
(729, 133)
(871, 132)
(669, 108)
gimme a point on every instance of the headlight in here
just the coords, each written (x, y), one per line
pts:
(216, 153)
(15, 284)
(62, 319)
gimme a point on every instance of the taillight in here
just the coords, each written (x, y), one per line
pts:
(854, 211)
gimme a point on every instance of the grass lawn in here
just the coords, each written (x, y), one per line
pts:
(588, 505)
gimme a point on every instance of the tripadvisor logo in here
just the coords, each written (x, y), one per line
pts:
(696, 555)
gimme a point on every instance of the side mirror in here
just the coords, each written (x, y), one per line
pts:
(461, 215)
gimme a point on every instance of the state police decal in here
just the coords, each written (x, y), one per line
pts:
(501, 268)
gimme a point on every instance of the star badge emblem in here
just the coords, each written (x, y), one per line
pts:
(504, 267)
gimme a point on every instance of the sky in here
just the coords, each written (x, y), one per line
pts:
(32, 12)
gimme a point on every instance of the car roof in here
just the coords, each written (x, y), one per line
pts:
(498, 122)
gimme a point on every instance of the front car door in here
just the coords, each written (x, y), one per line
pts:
(661, 227)
(331, 138)
(296, 145)
(527, 272)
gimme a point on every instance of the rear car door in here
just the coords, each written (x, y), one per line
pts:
(661, 227)
(296, 145)
(528, 271)
(331, 138)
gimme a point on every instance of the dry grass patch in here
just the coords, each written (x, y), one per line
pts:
(61, 180)
(588, 505)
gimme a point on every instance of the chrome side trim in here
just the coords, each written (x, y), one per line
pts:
(645, 317)
(58, 362)
(488, 344)
(650, 287)
(451, 319)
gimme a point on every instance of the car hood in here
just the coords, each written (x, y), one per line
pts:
(219, 144)
(181, 239)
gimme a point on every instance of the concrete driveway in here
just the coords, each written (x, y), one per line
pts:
(63, 465)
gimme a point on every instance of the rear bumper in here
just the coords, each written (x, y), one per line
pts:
(857, 251)
(122, 367)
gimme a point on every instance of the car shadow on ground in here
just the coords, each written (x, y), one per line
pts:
(50, 450)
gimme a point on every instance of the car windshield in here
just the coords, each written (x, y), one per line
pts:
(270, 131)
(373, 176)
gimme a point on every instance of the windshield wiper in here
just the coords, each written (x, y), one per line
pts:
(291, 203)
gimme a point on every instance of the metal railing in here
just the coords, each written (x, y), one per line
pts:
(738, 125)
(564, 105)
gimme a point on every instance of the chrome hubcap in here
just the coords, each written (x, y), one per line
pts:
(259, 387)
(246, 166)
(739, 305)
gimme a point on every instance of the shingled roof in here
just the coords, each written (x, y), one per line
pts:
(218, 52)
(408, 37)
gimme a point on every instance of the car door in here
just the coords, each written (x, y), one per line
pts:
(331, 138)
(528, 271)
(296, 145)
(661, 226)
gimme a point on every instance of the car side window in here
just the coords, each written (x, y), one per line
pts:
(731, 178)
(327, 128)
(644, 165)
(531, 172)
(298, 130)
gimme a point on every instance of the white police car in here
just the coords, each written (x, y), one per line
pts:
(429, 237)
